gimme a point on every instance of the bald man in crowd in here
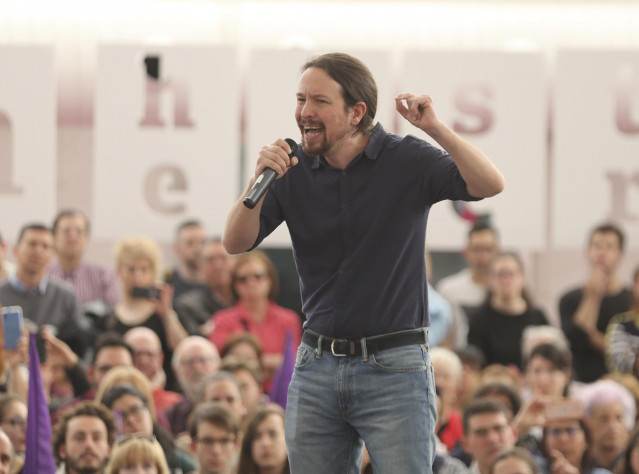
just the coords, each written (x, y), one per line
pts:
(148, 359)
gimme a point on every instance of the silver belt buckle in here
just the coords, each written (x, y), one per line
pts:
(333, 347)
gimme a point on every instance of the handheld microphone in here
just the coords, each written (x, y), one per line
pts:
(264, 180)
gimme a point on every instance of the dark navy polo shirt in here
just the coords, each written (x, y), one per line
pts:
(359, 234)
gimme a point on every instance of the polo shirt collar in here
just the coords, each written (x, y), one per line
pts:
(371, 151)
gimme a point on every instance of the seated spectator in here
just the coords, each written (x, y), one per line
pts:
(487, 432)
(504, 394)
(137, 454)
(82, 439)
(535, 335)
(447, 368)
(496, 327)
(13, 421)
(148, 358)
(255, 285)
(565, 447)
(130, 375)
(245, 347)
(215, 434)
(515, 461)
(7, 454)
(622, 336)
(43, 300)
(548, 371)
(196, 306)
(223, 388)
(6, 267)
(472, 363)
(629, 463)
(250, 381)
(610, 415)
(93, 283)
(263, 447)
(133, 413)
(629, 382)
(194, 359)
(138, 265)
(189, 241)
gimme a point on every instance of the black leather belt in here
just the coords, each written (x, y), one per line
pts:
(353, 347)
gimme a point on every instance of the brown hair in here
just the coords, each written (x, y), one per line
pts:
(246, 464)
(358, 84)
(216, 414)
(270, 270)
(87, 408)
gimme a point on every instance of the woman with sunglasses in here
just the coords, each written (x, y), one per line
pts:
(255, 285)
(134, 416)
(13, 421)
(137, 454)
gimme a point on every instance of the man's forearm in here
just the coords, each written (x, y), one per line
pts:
(242, 226)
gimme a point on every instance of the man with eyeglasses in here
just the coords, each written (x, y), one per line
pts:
(194, 359)
(487, 433)
(215, 438)
(82, 439)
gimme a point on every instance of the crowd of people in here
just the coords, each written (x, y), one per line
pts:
(148, 370)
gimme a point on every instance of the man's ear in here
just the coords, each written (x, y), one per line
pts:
(359, 110)
(62, 451)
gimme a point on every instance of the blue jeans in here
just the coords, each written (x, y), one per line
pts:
(336, 404)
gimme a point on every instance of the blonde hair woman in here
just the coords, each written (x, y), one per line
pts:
(137, 454)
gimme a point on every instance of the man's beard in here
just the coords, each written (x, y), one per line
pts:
(70, 464)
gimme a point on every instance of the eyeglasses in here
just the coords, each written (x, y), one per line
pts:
(16, 421)
(569, 430)
(122, 440)
(196, 360)
(255, 276)
(134, 412)
(210, 442)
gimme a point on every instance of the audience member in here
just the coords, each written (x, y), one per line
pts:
(13, 421)
(535, 335)
(255, 286)
(245, 347)
(467, 289)
(585, 312)
(194, 359)
(196, 306)
(500, 373)
(504, 394)
(138, 454)
(139, 262)
(496, 327)
(263, 447)
(6, 267)
(223, 388)
(565, 444)
(189, 241)
(610, 415)
(215, 434)
(622, 336)
(515, 461)
(548, 371)
(7, 454)
(487, 432)
(148, 358)
(448, 372)
(472, 363)
(43, 301)
(135, 417)
(82, 439)
(438, 309)
(92, 282)
(250, 380)
(629, 463)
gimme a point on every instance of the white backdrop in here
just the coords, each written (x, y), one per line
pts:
(27, 137)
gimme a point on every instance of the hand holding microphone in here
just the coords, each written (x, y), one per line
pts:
(264, 180)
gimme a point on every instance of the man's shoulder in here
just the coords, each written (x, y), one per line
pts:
(458, 283)
(574, 294)
(194, 297)
(60, 287)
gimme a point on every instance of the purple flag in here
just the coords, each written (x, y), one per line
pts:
(39, 452)
(282, 378)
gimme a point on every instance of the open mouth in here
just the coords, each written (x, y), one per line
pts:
(311, 132)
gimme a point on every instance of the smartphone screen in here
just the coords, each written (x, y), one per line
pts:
(12, 326)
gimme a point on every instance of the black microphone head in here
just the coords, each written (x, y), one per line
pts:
(292, 144)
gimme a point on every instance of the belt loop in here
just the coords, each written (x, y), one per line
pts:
(362, 341)
(425, 331)
(319, 347)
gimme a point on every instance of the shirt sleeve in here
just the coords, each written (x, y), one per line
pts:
(621, 346)
(111, 289)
